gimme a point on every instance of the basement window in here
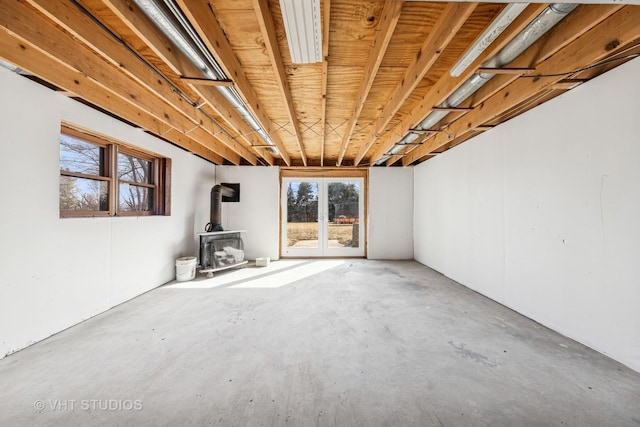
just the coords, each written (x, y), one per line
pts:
(102, 177)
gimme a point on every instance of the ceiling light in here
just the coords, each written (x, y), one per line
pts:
(506, 17)
(304, 32)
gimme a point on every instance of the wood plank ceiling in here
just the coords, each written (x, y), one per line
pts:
(386, 66)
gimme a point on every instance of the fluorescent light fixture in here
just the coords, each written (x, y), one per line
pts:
(506, 17)
(303, 28)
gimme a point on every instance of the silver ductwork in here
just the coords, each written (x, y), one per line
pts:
(549, 17)
(215, 213)
(172, 22)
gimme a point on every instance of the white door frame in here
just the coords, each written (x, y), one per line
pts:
(323, 249)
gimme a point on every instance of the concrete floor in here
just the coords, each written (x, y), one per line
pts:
(351, 343)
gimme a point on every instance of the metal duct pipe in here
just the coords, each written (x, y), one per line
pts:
(233, 97)
(217, 73)
(529, 35)
(165, 22)
(170, 20)
(215, 213)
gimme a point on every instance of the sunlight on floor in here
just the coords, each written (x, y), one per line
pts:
(277, 274)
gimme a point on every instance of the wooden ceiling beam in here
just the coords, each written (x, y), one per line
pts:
(273, 49)
(326, 22)
(446, 85)
(207, 82)
(569, 29)
(566, 31)
(147, 31)
(201, 16)
(452, 18)
(620, 29)
(386, 27)
(507, 70)
(40, 63)
(129, 13)
(81, 26)
(44, 35)
(568, 84)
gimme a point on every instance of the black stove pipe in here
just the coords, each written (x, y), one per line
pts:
(215, 216)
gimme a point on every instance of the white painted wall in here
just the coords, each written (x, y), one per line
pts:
(390, 213)
(542, 214)
(57, 272)
(258, 211)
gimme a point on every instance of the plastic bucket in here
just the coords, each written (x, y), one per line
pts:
(186, 268)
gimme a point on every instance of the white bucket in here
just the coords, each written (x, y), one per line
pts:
(186, 268)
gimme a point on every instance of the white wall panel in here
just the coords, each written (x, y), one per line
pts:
(258, 211)
(543, 213)
(57, 272)
(390, 213)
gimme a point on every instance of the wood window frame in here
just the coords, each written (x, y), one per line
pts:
(122, 149)
(161, 176)
(326, 172)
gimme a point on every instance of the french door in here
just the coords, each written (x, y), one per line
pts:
(322, 217)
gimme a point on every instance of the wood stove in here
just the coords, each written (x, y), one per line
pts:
(220, 250)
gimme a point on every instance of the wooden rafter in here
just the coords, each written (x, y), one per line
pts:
(565, 32)
(569, 29)
(446, 85)
(205, 23)
(109, 54)
(507, 70)
(589, 48)
(231, 116)
(39, 62)
(386, 27)
(326, 22)
(146, 30)
(44, 35)
(567, 84)
(82, 27)
(452, 18)
(271, 42)
(207, 82)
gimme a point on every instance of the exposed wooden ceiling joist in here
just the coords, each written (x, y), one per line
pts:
(446, 85)
(146, 30)
(326, 22)
(620, 29)
(386, 27)
(385, 67)
(271, 44)
(40, 62)
(572, 27)
(41, 34)
(81, 26)
(204, 21)
(452, 18)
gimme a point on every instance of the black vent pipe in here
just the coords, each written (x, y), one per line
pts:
(215, 217)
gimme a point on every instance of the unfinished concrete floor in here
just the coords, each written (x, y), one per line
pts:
(315, 343)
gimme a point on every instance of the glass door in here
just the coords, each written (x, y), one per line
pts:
(322, 217)
(301, 218)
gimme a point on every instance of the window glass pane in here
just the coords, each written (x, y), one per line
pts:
(80, 194)
(343, 229)
(302, 214)
(81, 156)
(134, 198)
(134, 169)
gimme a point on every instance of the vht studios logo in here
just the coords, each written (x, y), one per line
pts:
(88, 405)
